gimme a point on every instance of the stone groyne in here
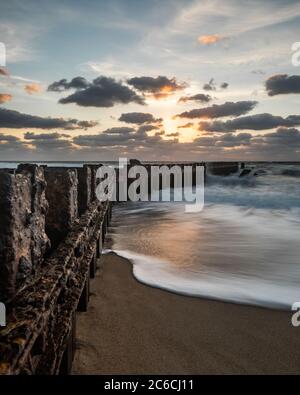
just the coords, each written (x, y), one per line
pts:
(51, 232)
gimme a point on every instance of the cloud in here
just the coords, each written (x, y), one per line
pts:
(282, 144)
(147, 128)
(210, 86)
(48, 141)
(63, 85)
(228, 140)
(283, 137)
(125, 138)
(102, 92)
(210, 39)
(175, 134)
(16, 120)
(33, 88)
(251, 122)
(200, 97)
(224, 85)
(282, 84)
(139, 118)
(258, 72)
(159, 87)
(7, 137)
(4, 72)
(44, 136)
(5, 97)
(227, 109)
(11, 145)
(186, 125)
(86, 124)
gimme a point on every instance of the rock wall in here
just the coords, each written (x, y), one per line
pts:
(44, 287)
(23, 240)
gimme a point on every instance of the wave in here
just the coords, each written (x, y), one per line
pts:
(160, 274)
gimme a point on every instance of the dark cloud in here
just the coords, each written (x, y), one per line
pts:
(147, 128)
(125, 138)
(227, 109)
(200, 97)
(48, 141)
(158, 87)
(16, 120)
(52, 144)
(228, 140)
(139, 118)
(175, 134)
(284, 137)
(11, 145)
(283, 84)
(224, 85)
(102, 92)
(113, 136)
(258, 72)
(44, 136)
(63, 85)
(86, 124)
(186, 125)
(210, 86)
(160, 133)
(7, 137)
(251, 122)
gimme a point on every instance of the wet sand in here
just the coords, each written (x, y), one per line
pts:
(131, 328)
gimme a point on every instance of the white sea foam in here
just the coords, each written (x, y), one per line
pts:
(160, 274)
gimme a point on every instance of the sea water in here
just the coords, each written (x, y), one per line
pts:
(244, 247)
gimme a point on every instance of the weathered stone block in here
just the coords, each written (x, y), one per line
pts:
(23, 241)
(62, 196)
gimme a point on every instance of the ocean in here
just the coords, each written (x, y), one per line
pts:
(244, 247)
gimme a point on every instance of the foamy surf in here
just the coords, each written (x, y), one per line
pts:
(158, 274)
(242, 248)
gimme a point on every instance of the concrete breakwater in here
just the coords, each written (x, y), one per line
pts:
(52, 229)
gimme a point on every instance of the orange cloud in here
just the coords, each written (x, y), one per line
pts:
(5, 97)
(210, 39)
(33, 88)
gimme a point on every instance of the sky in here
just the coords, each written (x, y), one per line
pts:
(152, 80)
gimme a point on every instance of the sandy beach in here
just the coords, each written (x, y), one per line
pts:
(131, 328)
